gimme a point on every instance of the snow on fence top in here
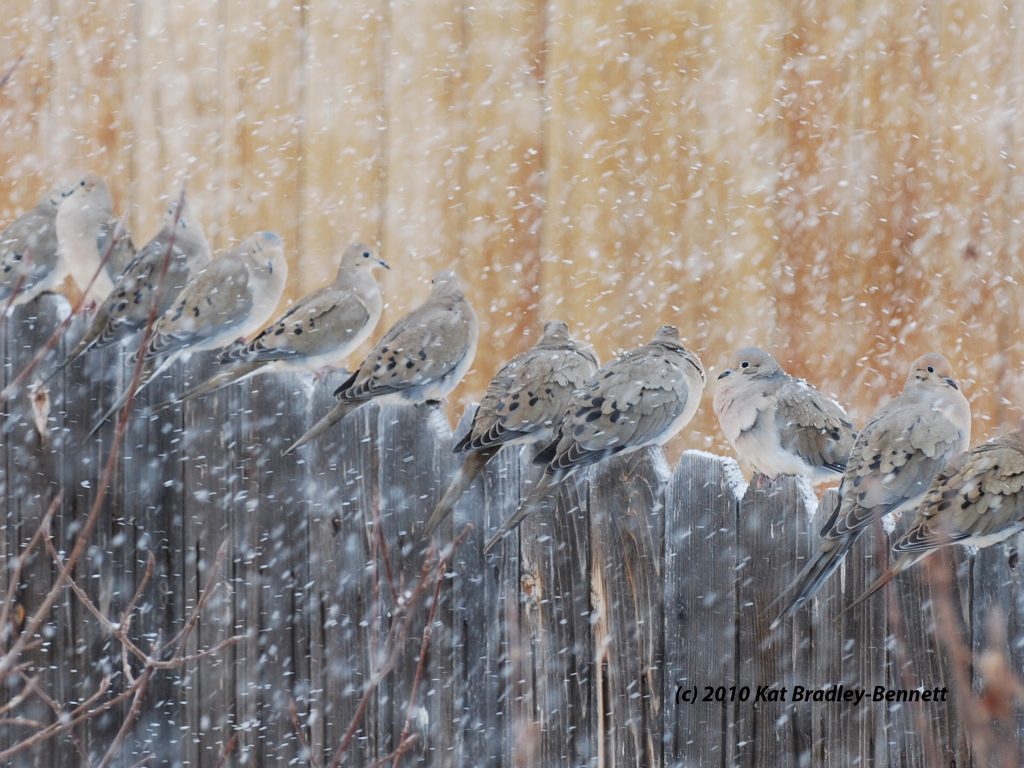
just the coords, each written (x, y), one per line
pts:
(625, 624)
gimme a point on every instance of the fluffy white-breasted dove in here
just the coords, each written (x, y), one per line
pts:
(126, 309)
(524, 404)
(422, 358)
(894, 459)
(779, 424)
(977, 500)
(85, 224)
(231, 297)
(641, 398)
(29, 260)
(319, 331)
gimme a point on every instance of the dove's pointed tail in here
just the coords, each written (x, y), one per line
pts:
(234, 373)
(336, 414)
(83, 346)
(146, 376)
(828, 558)
(472, 466)
(902, 563)
(546, 484)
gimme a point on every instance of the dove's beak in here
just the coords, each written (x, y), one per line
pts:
(383, 263)
(724, 373)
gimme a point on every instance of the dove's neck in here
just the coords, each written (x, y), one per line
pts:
(78, 238)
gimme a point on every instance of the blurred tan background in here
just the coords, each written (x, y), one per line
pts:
(839, 182)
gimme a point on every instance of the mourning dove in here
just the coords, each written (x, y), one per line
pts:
(894, 459)
(126, 309)
(28, 253)
(85, 222)
(642, 398)
(977, 500)
(319, 331)
(778, 424)
(524, 404)
(233, 296)
(422, 358)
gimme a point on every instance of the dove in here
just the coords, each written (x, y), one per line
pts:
(641, 398)
(126, 309)
(28, 253)
(523, 404)
(778, 424)
(231, 297)
(421, 359)
(894, 459)
(977, 500)
(317, 332)
(85, 223)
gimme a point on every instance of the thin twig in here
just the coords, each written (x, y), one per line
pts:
(141, 687)
(421, 662)
(10, 71)
(15, 578)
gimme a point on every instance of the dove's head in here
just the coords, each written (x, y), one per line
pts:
(264, 254)
(556, 329)
(361, 255)
(89, 195)
(446, 282)
(932, 371)
(753, 363)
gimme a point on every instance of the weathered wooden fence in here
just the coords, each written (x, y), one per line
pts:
(592, 638)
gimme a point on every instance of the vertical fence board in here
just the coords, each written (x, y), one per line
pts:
(487, 643)
(343, 469)
(997, 605)
(280, 507)
(415, 460)
(554, 551)
(773, 519)
(31, 481)
(923, 733)
(700, 610)
(627, 529)
(212, 429)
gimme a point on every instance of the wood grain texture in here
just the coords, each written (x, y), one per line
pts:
(571, 644)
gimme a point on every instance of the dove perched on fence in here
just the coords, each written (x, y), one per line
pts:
(85, 224)
(231, 297)
(641, 398)
(894, 459)
(778, 424)
(524, 403)
(317, 332)
(29, 260)
(422, 358)
(126, 309)
(977, 500)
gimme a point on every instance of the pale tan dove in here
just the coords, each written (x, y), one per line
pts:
(641, 398)
(524, 404)
(126, 309)
(317, 332)
(977, 500)
(421, 359)
(28, 253)
(85, 222)
(778, 424)
(894, 459)
(231, 297)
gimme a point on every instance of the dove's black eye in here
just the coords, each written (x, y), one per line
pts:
(931, 369)
(366, 254)
(744, 364)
